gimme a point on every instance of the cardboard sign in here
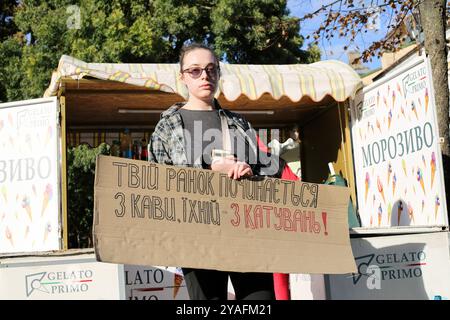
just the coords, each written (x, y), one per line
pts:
(152, 214)
(397, 267)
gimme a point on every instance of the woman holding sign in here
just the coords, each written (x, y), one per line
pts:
(199, 133)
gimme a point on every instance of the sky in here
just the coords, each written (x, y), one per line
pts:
(334, 49)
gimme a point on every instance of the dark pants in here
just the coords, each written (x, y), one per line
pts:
(212, 285)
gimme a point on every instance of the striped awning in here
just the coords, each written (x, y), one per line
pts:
(316, 80)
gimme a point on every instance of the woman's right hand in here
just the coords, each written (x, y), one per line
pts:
(230, 165)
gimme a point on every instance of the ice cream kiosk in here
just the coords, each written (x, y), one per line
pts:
(91, 103)
(400, 190)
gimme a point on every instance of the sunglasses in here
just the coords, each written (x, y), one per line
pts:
(195, 72)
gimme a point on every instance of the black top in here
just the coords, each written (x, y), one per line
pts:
(202, 133)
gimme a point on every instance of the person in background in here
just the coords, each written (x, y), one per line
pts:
(199, 133)
(289, 150)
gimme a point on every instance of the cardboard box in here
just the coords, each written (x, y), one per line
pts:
(151, 214)
(396, 267)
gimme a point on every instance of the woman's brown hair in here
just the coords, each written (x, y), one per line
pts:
(193, 46)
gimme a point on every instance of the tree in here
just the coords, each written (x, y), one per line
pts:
(433, 21)
(261, 33)
(352, 18)
(7, 25)
(141, 31)
(7, 31)
(80, 187)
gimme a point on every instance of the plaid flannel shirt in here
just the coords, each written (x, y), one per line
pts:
(167, 145)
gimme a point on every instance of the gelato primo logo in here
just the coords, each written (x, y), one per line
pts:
(371, 271)
(59, 282)
(389, 266)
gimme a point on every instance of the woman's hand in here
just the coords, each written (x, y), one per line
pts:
(240, 169)
(235, 169)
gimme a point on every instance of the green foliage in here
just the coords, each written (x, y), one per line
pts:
(10, 79)
(80, 188)
(140, 31)
(262, 32)
(7, 25)
(313, 53)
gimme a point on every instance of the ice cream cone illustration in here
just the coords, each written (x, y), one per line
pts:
(9, 236)
(27, 231)
(28, 141)
(48, 135)
(378, 98)
(420, 102)
(427, 99)
(403, 111)
(5, 193)
(380, 214)
(410, 212)
(371, 220)
(367, 184)
(433, 168)
(378, 125)
(48, 229)
(389, 172)
(389, 89)
(437, 204)
(420, 179)
(48, 193)
(26, 206)
(385, 101)
(389, 119)
(399, 212)
(423, 205)
(404, 167)
(373, 200)
(394, 183)
(177, 281)
(380, 188)
(389, 212)
(414, 109)
(399, 89)
(424, 161)
(393, 98)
